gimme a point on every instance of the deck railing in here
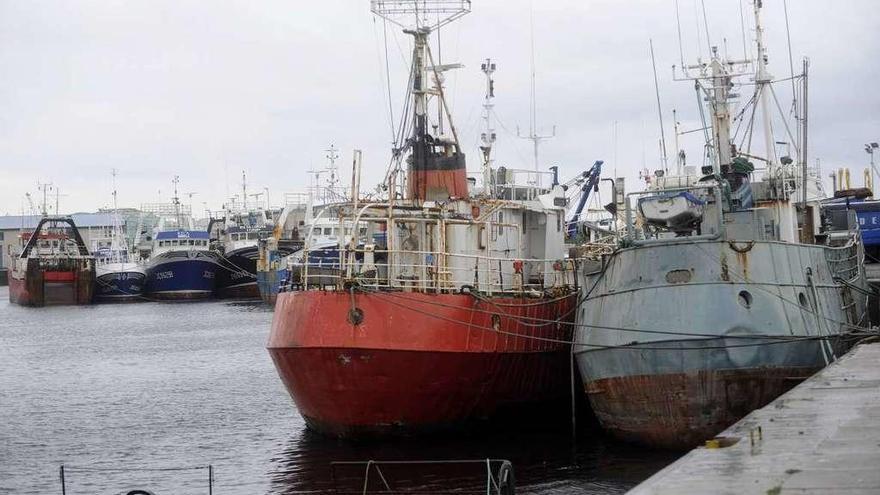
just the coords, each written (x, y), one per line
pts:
(434, 271)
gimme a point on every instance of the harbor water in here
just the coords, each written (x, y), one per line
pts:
(162, 385)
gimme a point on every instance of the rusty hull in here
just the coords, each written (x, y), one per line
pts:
(674, 337)
(680, 411)
(69, 282)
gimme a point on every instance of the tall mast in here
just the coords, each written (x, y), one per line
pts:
(45, 187)
(762, 81)
(720, 90)
(243, 192)
(487, 137)
(533, 135)
(663, 156)
(436, 168)
(714, 81)
(332, 156)
(176, 200)
(115, 244)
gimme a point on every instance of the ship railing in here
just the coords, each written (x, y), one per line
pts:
(434, 271)
(846, 262)
(520, 184)
(125, 475)
(461, 476)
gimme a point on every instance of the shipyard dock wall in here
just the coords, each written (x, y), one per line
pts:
(823, 436)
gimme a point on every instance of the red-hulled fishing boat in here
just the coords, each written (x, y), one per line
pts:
(54, 266)
(445, 304)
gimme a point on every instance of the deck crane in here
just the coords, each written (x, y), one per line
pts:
(589, 181)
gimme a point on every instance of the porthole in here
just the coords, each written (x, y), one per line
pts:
(802, 298)
(745, 299)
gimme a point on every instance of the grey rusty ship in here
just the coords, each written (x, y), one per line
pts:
(723, 290)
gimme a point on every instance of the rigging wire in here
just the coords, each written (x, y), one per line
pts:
(790, 60)
(697, 25)
(629, 346)
(388, 78)
(742, 24)
(678, 26)
(706, 24)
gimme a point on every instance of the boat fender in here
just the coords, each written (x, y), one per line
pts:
(506, 479)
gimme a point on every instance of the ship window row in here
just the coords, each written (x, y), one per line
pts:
(242, 237)
(183, 242)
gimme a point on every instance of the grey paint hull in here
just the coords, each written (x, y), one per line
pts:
(692, 319)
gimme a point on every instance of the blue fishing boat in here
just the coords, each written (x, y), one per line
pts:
(181, 265)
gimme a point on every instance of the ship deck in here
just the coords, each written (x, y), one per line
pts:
(823, 436)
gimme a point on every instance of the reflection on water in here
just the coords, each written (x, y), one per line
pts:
(543, 457)
(155, 385)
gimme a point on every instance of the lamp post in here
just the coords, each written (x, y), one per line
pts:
(870, 148)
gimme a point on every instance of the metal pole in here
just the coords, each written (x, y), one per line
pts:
(871, 152)
(573, 394)
(804, 138)
(210, 479)
(63, 487)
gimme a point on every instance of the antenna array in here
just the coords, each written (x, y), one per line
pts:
(424, 14)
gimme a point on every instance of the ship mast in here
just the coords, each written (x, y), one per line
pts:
(487, 137)
(762, 85)
(115, 243)
(435, 165)
(533, 135)
(176, 201)
(715, 80)
(243, 192)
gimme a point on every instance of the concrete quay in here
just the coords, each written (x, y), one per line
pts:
(821, 437)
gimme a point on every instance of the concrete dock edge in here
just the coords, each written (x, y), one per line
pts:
(823, 436)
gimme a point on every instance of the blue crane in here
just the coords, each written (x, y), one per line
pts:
(590, 184)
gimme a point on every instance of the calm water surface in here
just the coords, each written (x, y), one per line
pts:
(154, 385)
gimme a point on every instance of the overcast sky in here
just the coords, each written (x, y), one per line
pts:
(205, 90)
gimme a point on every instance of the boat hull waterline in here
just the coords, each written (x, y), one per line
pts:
(172, 276)
(236, 274)
(39, 287)
(120, 282)
(416, 362)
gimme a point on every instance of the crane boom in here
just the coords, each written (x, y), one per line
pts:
(591, 184)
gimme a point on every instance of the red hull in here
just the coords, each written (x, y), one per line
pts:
(18, 292)
(416, 361)
(46, 288)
